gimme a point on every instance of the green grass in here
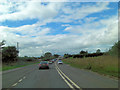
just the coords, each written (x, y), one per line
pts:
(107, 65)
(15, 65)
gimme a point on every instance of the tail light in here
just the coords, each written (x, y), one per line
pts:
(39, 64)
(47, 64)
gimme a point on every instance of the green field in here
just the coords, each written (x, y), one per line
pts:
(107, 65)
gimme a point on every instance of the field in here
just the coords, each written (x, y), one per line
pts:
(107, 65)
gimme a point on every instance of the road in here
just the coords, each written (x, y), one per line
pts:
(58, 76)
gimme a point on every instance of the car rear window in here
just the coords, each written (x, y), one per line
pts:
(43, 62)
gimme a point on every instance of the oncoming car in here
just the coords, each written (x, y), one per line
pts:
(43, 65)
(60, 62)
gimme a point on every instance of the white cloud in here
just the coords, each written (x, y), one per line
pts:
(81, 13)
(31, 10)
(106, 32)
(28, 10)
(34, 39)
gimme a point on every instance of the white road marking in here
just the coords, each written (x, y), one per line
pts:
(20, 80)
(14, 84)
(24, 77)
(64, 79)
(70, 80)
(57, 68)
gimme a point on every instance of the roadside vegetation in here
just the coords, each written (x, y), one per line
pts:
(20, 63)
(106, 64)
(10, 59)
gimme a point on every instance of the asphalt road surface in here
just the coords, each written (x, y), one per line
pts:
(58, 76)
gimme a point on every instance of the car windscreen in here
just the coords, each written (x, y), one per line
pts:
(43, 62)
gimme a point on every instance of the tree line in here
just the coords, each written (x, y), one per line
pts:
(83, 54)
(48, 56)
(10, 53)
(113, 51)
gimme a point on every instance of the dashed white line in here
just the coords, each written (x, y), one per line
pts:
(20, 80)
(14, 84)
(24, 77)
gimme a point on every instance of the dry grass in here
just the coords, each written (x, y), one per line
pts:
(107, 65)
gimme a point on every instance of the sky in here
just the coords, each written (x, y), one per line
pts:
(58, 27)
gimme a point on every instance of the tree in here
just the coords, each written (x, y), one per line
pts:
(56, 55)
(41, 57)
(9, 54)
(83, 52)
(66, 55)
(115, 49)
(98, 51)
(47, 56)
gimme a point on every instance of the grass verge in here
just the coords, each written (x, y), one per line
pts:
(15, 65)
(107, 65)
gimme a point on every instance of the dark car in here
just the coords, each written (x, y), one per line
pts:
(53, 60)
(50, 62)
(43, 65)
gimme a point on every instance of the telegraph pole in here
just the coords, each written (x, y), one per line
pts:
(18, 48)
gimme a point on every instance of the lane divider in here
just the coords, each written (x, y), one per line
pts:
(14, 84)
(18, 81)
(21, 79)
(70, 83)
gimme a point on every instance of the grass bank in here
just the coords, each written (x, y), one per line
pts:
(16, 65)
(107, 65)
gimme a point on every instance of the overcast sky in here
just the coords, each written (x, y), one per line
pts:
(58, 27)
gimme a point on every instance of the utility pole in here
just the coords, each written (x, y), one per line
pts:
(18, 48)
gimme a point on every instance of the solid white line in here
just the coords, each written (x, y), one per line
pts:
(68, 78)
(64, 79)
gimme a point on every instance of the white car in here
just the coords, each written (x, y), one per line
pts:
(60, 62)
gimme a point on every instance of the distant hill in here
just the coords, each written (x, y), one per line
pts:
(115, 49)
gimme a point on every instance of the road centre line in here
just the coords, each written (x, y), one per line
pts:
(18, 81)
(67, 78)
(70, 80)
(64, 79)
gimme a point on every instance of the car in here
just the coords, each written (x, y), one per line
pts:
(60, 62)
(43, 65)
(53, 60)
(50, 62)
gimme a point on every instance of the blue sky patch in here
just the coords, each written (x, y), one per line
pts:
(18, 23)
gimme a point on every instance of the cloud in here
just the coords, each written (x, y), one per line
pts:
(62, 43)
(31, 10)
(99, 32)
(34, 40)
(72, 14)
(28, 10)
